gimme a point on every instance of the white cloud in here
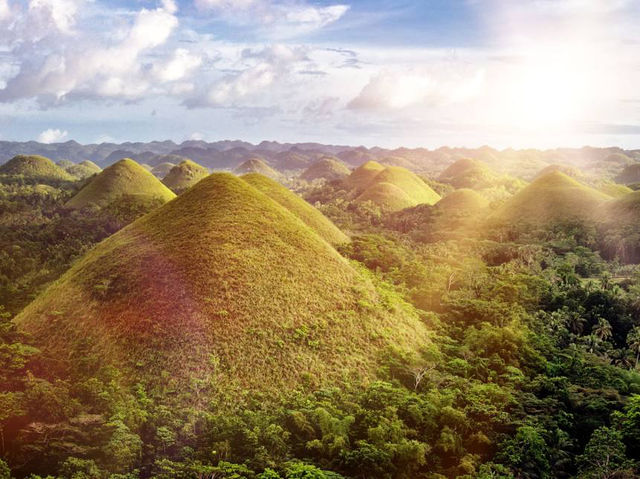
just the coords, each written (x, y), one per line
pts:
(80, 65)
(395, 90)
(260, 70)
(279, 18)
(52, 136)
(5, 11)
(181, 63)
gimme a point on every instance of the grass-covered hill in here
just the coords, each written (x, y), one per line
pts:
(568, 170)
(618, 223)
(161, 170)
(84, 169)
(362, 176)
(394, 188)
(222, 290)
(327, 169)
(629, 175)
(184, 175)
(612, 189)
(33, 169)
(387, 196)
(554, 198)
(464, 200)
(299, 207)
(256, 165)
(124, 178)
(468, 173)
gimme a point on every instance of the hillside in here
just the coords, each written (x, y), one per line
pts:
(553, 198)
(84, 169)
(468, 173)
(184, 175)
(387, 196)
(629, 175)
(225, 288)
(256, 165)
(327, 169)
(570, 171)
(463, 201)
(614, 190)
(33, 168)
(162, 169)
(124, 178)
(362, 176)
(299, 207)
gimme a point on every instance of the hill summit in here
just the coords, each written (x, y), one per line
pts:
(124, 178)
(184, 175)
(34, 168)
(552, 198)
(225, 288)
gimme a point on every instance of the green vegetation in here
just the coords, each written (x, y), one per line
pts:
(299, 207)
(33, 169)
(256, 165)
(613, 189)
(362, 176)
(387, 196)
(124, 178)
(327, 169)
(221, 335)
(84, 169)
(629, 175)
(185, 175)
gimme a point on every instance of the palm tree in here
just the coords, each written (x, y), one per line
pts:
(603, 329)
(576, 323)
(633, 341)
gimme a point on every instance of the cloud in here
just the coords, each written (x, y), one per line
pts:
(88, 63)
(396, 90)
(178, 66)
(52, 136)
(279, 18)
(5, 11)
(261, 69)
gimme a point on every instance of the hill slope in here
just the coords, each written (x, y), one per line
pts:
(34, 168)
(126, 177)
(162, 169)
(552, 198)
(226, 286)
(184, 175)
(84, 169)
(299, 207)
(256, 165)
(362, 176)
(326, 168)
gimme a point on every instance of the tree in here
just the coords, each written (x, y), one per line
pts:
(633, 341)
(527, 453)
(604, 456)
(603, 329)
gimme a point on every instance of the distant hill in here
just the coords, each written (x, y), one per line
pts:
(362, 176)
(327, 169)
(256, 165)
(33, 169)
(468, 173)
(184, 175)
(223, 290)
(162, 170)
(84, 169)
(464, 200)
(391, 188)
(299, 207)
(552, 198)
(571, 171)
(629, 175)
(613, 189)
(125, 177)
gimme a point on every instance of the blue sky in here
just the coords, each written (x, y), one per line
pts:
(538, 73)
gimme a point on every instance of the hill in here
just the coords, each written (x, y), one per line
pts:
(387, 196)
(570, 171)
(327, 169)
(613, 189)
(256, 165)
(33, 168)
(162, 169)
(468, 173)
(299, 207)
(362, 176)
(222, 290)
(124, 178)
(184, 175)
(84, 169)
(464, 200)
(629, 175)
(550, 199)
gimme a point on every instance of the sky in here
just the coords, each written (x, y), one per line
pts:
(505, 73)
